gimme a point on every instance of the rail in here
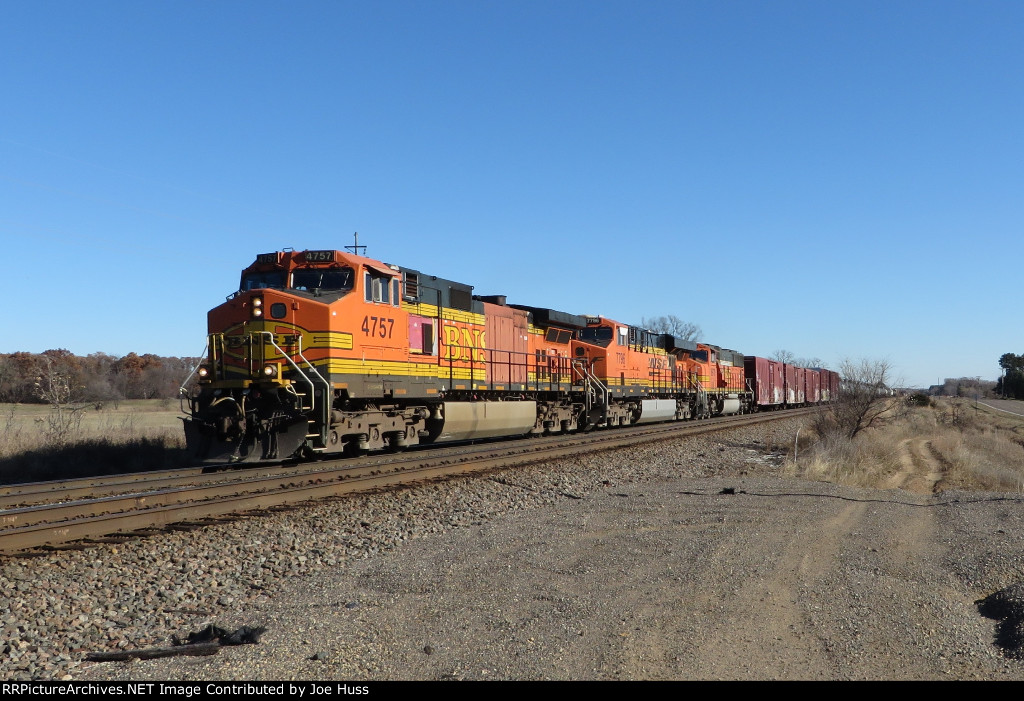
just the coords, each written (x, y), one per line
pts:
(140, 510)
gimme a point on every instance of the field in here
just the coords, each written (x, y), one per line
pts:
(950, 443)
(39, 442)
(947, 444)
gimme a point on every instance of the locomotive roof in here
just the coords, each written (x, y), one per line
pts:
(544, 317)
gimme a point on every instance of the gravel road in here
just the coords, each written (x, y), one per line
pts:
(693, 559)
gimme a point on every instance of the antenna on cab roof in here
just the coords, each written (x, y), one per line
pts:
(354, 248)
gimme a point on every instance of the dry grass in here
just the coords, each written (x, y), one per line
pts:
(988, 451)
(38, 443)
(963, 445)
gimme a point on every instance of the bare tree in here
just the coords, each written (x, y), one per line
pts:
(56, 387)
(864, 396)
(789, 357)
(784, 356)
(682, 330)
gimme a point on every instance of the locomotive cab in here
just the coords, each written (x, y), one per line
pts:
(268, 387)
(719, 374)
(324, 351)
(636, 377)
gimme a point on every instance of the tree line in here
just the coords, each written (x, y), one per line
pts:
(98, 377)
(970, 387)
(1011, 384)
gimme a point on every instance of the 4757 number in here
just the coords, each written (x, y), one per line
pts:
(380, 327)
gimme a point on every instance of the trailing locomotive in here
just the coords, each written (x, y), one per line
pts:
(323, 352)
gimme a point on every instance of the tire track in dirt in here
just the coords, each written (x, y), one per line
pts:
(922, 467)
(776, 622)
(765, 628)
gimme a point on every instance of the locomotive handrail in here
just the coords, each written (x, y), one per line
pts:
(324, 424)
(312, 386)
(202, 358)
(702, 394)
(664, 381)
(545, 376)
(183, 393)
(590, 393)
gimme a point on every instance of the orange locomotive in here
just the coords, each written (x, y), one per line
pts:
(326, 351)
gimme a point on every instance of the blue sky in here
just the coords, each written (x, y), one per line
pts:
(839, 179)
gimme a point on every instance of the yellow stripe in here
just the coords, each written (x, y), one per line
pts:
(447, 313)
(420, 308)
(616, 382)
(361, 367)
(463, 317)
(332, 339)
(532, 377)
(310, 339)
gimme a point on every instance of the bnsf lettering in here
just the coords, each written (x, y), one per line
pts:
(659, 363)
(464, 344)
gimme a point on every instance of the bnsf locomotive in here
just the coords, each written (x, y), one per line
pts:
(323, 352)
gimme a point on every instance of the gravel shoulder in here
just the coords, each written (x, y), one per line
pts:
(693, 559)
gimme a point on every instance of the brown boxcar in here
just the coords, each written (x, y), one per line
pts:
(812, 386)
(768, 381)
(795, 389)
(789, 382)
(833, 385)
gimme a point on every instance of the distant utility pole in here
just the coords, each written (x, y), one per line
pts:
(355, 247)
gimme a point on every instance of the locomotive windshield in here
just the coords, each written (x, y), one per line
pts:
(275, 279)
(599, 335)
(308, 279)
(320, 279)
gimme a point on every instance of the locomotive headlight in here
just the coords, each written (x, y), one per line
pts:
(204, 371)
(270, 370)
(257, 307)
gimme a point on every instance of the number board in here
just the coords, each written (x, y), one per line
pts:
(268, 258)
(319, 256)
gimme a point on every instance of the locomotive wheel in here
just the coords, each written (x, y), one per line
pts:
(352, 450)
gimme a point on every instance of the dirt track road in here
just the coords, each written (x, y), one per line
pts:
(788, 580)
(668, 579)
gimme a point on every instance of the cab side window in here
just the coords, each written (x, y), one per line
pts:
(379, 288)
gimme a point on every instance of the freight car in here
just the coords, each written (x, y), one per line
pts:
(325, 351)
(778, 385)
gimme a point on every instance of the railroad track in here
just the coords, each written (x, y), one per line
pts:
(91, 510)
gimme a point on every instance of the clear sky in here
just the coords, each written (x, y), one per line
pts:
(834, 178)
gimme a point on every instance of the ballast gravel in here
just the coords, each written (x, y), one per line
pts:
(688, 559)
